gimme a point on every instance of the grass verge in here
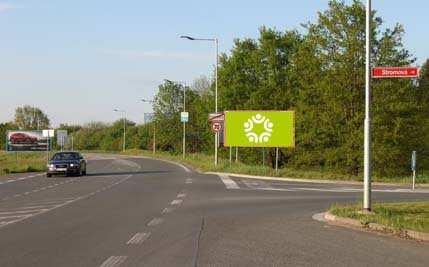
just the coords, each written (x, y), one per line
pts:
(16, 162)
(400, 216)
(203, 162)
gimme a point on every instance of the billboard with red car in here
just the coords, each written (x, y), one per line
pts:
(26, 141)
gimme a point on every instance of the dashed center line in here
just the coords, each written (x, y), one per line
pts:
(188, 181)
(138, 238)
(167, 210)
(155, 221)
(113, 261)
(181, 195)
(177, 202)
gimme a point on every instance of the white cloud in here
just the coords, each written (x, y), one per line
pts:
(130, 54)
(6, 6)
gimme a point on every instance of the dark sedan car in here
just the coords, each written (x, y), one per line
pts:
(67, 163)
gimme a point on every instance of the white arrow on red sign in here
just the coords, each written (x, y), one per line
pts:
(395, 72)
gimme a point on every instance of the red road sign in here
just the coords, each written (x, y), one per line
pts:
(216, 126)
(395, 72)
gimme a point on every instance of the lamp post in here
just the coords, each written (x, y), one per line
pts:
(154, 128)
(124, 112)
(367, 123)
(184, 110)
(216, 42)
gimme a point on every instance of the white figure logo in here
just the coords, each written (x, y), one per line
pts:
(264, 137)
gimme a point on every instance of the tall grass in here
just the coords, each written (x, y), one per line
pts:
(15, 162)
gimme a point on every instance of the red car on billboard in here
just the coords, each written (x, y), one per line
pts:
(22, 138)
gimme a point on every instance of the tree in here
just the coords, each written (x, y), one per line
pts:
(31, 118)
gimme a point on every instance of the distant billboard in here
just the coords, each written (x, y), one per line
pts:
(259, 128)
(26, 141)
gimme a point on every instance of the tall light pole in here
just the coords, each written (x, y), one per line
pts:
(124, 112)
(154, 128)
(216, 42)
(184, 110)
(367, 126)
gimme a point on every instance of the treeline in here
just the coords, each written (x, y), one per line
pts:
(319, 73)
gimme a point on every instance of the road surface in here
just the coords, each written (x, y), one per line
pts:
(145, 212)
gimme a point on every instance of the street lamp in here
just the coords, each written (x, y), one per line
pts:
(154, 128)
(367, 123)
(184, 110)
(216, 41)
(124, 112)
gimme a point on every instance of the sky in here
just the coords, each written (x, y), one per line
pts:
(78, 60)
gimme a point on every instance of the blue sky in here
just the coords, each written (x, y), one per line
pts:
(78, 60)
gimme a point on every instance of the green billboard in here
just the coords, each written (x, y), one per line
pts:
(259, 128)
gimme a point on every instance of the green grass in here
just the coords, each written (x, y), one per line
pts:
(12, 162)
(400, 216)
(203, 162)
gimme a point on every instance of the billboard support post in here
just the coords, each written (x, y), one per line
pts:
(277, 159)
(230, 155)
(236, 154)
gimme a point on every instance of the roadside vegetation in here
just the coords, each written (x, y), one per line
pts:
(11, 162)
(400, 216)
(204, 163)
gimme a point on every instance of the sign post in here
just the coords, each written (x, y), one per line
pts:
(414, 167)
(184, 118)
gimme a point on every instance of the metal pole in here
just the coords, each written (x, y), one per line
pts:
(236, 154)
(154, 139)
(184, 123)
(230, 155)
(216, 66)
(263, 156)
(72, 143)
(277, 159)
(367, 126)
(414, 180)
(123, 145)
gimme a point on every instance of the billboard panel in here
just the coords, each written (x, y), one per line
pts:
(26, 141)
(259, 128)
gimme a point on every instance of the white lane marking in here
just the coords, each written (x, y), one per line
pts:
(188, 181)
(177, 202)
(138, 238)
(167, 210)
(113, 261)
(13, 216)
(257, 185)
(155, 221)
(20, 178)
(21, 211)
(181, 195)
(229, 183)
(60, 205)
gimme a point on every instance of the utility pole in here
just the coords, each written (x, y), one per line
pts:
(367, 126)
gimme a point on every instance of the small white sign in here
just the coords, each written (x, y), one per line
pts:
(48, 133)
(184, 116)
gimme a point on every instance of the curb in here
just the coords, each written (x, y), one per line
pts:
(288, 179)
(352, 223)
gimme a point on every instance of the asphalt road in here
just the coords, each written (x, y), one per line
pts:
(145, 212)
